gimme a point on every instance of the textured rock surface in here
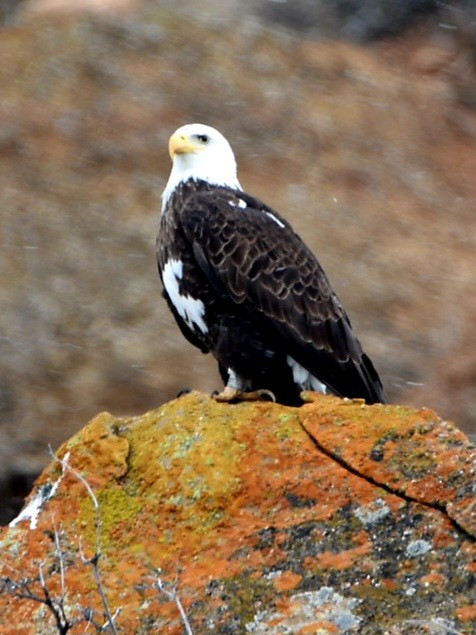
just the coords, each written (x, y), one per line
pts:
(332, 518)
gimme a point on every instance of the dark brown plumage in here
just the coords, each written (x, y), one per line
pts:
(243, 286)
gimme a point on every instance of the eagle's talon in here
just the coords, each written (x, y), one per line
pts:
(229, 394)
(184, 391)
(266, 395)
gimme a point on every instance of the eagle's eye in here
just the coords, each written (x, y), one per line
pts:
(203, 138)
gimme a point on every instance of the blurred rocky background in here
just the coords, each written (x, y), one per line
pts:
(355, 119)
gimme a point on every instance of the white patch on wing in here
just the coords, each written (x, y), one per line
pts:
(190, 309)
(303, 377)
(232, 203)
(276, 220)
(242, 204)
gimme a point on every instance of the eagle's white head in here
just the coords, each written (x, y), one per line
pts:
(200, 152)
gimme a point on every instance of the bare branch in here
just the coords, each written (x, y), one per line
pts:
(94, 560)
(60, 558)
(173, 596)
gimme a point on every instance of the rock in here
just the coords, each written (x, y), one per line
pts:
(331, 518)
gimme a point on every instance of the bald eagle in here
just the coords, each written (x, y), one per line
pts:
(242, 285)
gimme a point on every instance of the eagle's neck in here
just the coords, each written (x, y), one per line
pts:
(184, 170)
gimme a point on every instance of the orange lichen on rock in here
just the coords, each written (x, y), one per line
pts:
(238, 510)
(318, 628)
(343, 559)
(287, 581)
(467, 613)
(433, 578)
(412, 452)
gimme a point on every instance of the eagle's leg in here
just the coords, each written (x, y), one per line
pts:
(234, 391)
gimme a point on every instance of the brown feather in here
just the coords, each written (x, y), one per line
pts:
(260, 274)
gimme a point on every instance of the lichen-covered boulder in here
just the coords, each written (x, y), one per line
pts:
(202, 517)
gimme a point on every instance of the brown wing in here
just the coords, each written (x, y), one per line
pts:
(252, 256)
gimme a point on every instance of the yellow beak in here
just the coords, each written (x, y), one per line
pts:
(180, 143)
